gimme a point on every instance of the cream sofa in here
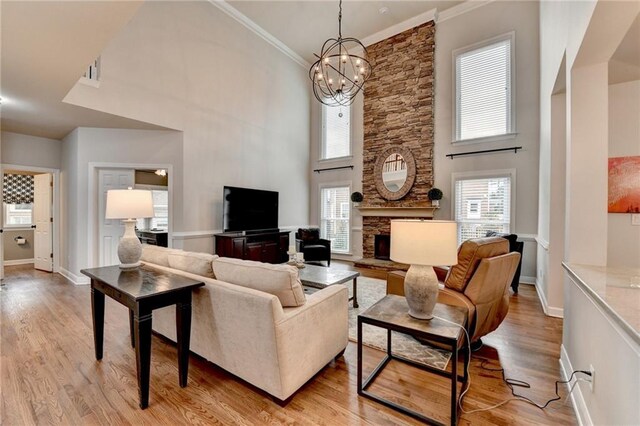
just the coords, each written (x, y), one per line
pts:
(247, 331)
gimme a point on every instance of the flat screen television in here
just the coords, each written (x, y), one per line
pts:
(247, 209)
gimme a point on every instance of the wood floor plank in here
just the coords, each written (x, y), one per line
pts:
(49, 375)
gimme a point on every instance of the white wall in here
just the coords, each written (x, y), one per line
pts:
(492, 20)
(70, 208)
(585, 34)
(86, 147)
(623, 239)
(31, 151)
(242, 105)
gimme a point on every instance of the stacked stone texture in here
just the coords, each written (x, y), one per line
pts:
(398, 111)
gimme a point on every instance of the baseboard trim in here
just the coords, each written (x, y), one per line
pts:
(527, 280)
(577, 399)
(75, 279)
(549, 311)
(18, 262)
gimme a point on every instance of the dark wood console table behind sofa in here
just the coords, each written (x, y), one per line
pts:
(269, 247)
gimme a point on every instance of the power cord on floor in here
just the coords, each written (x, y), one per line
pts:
(509, 382)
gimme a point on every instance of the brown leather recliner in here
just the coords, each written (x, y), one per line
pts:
(479, 283)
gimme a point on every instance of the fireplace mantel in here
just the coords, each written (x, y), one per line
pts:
(379, 211)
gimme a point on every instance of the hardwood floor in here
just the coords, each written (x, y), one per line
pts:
(49, 373)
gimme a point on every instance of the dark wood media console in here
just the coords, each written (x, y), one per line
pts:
(268, 246)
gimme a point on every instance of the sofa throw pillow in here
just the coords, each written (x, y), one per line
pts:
(194, 263)
(156, 254)
(280, 280)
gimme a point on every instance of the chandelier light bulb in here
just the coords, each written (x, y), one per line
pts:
(330, 81)
(362, 70)
(320, 76)
(355, 77)
(344, 58)
(326, 60)
(358, 61)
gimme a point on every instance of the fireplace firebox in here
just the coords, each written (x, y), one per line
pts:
(382, 247)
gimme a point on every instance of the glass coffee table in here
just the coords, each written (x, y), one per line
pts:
(320, 277)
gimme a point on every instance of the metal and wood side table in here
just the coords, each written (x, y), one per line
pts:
(142, 290)
(391, 314)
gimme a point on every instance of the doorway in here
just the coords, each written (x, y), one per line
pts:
(29, 221)
(153, 230)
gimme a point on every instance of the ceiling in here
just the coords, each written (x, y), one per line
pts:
(45, 49)
(304, 25)
(625, 62)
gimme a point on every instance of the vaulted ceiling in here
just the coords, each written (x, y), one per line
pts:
(46, 48)
(304, 25)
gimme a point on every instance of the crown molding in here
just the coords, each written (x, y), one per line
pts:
(429, 15)
(259, 31)
(461, 9)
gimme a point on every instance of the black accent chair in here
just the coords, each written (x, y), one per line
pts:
(315, 249)
(514, 245)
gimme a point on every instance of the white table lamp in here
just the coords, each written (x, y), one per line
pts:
(129, 205)
(423, 244)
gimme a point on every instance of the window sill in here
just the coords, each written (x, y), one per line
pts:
(485, 139)
(335, 159)
(17, 228)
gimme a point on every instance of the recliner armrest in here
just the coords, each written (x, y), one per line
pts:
(326, 243)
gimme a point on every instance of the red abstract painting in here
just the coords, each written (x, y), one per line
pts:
(624, 185)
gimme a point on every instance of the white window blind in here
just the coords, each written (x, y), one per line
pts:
(336, 131)
(483, 91)
(335, 217)
(482, 205)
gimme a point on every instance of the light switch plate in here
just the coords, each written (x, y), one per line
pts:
(635, 219)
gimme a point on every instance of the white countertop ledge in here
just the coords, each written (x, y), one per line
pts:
(615, 289)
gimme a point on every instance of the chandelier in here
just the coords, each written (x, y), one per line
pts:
(340, 72)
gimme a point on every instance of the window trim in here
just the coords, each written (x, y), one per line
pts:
(321, 156)
(511, 128)
(338, 184)
(485, 174)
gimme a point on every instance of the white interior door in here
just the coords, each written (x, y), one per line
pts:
(43, 219)
(110, 230)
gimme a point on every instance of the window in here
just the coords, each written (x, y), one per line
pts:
(335, 217)
(18, 214)
(336, 132)
(483, 82)
(160, 219)
(93, 71)
(483, 203)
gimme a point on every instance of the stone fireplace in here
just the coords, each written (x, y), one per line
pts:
(376, 225)
(398, 116)
(382, 246)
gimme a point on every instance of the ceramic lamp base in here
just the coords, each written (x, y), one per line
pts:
(129, 248)
(421, 291)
